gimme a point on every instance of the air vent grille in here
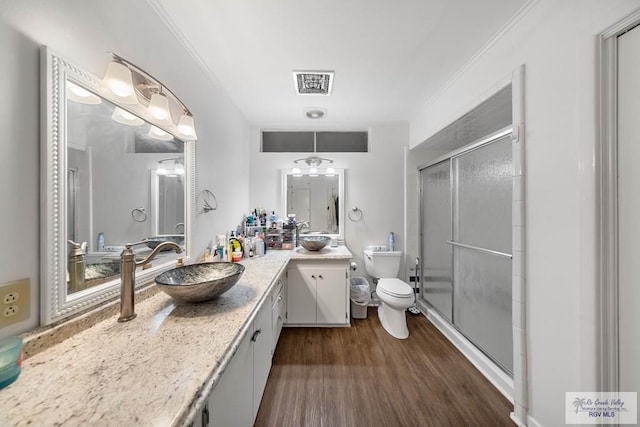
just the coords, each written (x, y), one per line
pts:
(313, 82)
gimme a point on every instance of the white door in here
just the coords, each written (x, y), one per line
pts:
(629, 208)
(331, 294)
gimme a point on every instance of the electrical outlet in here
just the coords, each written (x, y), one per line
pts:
(11, 310)
(11, 297)
(15, 302)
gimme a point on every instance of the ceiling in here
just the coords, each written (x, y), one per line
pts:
(389, 57)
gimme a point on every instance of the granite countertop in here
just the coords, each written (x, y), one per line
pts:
(156, 370)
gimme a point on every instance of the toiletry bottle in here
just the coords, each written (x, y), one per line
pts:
(100, 242)
(392, 242)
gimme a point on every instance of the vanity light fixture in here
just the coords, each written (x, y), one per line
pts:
(126, 118)
(81, 95)
(129, 84)
(118, 79)
(313, 162)
(159, 134)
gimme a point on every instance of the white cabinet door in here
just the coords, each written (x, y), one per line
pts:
(231, 401)
(262, 341)
(301, 295)
(331, 296)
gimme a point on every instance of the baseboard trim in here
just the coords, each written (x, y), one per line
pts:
(486, 366)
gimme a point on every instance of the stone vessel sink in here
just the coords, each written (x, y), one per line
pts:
(199, 282)
(314, 243)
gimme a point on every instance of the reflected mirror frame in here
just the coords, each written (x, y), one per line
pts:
(55, 304)
(285, 173)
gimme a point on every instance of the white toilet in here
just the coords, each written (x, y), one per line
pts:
(395, 295)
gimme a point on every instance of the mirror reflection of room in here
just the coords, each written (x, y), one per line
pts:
(314, 199)
(125, 183)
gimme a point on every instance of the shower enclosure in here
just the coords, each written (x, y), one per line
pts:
(466, 202)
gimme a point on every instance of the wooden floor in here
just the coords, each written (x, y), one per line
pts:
(361, 376)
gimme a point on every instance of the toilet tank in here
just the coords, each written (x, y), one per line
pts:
(382, 264)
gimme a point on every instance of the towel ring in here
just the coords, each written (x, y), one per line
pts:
(139, 214)
(206, 197)
(355, 214)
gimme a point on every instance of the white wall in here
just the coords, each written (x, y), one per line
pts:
(373, 182)
(84, 32)
(557, 43)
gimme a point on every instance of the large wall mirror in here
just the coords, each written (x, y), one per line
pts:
(315, 199)
(110, 177)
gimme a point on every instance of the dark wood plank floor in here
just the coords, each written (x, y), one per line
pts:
(361, 376)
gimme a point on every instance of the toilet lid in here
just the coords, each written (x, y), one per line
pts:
(394, 287)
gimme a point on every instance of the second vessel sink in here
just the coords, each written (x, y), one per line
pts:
(199, 282)
(314, 243)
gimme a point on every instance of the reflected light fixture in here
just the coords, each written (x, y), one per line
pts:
(81, 95)
(159, 134)
(176, 167)
(313, 162)
(118, 80)
(126, 118)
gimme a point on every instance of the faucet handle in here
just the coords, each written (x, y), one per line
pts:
(146, 266)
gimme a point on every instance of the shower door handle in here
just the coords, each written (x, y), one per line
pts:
(476, 248)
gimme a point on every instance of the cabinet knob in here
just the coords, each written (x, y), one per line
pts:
(313, 276)
(320, 276)
(254, 337)
(279, 297)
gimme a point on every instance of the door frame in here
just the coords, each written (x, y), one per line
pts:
(606, 155)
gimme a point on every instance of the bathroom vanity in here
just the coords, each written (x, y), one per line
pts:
(173, 365)
(318, 287)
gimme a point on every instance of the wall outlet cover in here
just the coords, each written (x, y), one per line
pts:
(15, 302)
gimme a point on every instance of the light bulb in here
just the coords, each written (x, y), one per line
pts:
(159, 107)
(186, 127)
(178, 169)
(118, 80)
(313, 171)
(330, 171)
(161, 170)
(296, 172)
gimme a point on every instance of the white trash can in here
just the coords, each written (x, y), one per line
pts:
(360, 297)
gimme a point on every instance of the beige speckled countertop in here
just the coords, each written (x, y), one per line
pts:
(156, 370)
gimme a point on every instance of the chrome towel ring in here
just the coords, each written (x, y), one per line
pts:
(355, 214)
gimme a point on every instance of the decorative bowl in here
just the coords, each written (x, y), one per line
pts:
(10, 360)
(314, 243)
(199, 282)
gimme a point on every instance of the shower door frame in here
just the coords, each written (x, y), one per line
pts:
(516, 388)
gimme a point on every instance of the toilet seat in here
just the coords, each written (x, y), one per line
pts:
(395, 288)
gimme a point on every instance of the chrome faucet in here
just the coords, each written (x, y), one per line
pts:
(128, 266)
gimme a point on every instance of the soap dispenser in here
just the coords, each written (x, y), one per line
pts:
(76, 266)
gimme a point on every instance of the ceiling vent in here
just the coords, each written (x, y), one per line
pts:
(313, 82)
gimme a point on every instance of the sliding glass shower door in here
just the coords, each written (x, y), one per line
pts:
(478, 247)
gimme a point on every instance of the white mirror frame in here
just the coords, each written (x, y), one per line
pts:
(55, 304)
(284, 173)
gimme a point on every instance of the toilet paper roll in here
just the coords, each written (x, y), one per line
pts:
(353, 266)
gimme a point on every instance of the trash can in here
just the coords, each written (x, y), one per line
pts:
(360, 297)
